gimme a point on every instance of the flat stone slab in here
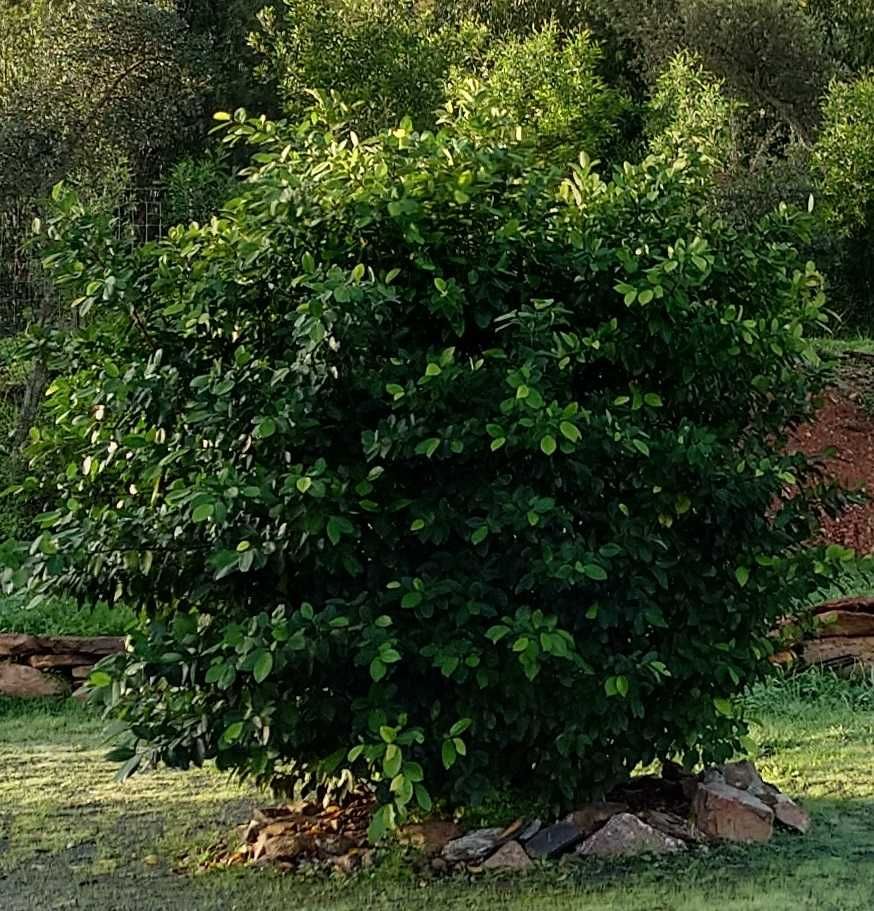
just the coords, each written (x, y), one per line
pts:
(15, 644)
(590, 817)
(554, 840)
(24, 682)
(472, 848)
(723, 812)
(626, 836)
(47, 662)
(844, 623)
(83, 645)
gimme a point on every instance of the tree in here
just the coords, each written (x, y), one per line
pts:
(433, 462)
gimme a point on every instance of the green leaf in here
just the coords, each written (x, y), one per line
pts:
(303, 484)
(460, 727)
(570, 431)
(594, 571)
(622, 686)
(232, 732)
(548, 444)
(377, 669)
(742, 574)
(724, 707)
(412, 599)
(448, 754)
(496, 633)
(203, 512)
(265, 428)
(423, 798)
(480, 534)
(391, 763)
(263, 665)
(382, 823)
(99, 679)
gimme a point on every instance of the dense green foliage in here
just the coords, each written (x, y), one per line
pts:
(427, 456)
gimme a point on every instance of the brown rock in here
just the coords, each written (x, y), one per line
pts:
(510, 856)
(862, 603)
(86, 645)
(790, 815)
(625, 835)
(844, 623)
(670, 823)
(47, 662)
(83, 672)
(430, 837)
(26, 682)
(81, 693)
(14, 644)
(839, 650)
(592, 816)
(784, 658)
(721, 811)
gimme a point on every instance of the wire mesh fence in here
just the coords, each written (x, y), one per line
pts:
(24, 287)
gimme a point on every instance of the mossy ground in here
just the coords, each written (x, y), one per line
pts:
(71, 837)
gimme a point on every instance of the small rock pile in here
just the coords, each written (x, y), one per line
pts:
(843, 637)
(649, 815)
(306, 835)
(34, 666)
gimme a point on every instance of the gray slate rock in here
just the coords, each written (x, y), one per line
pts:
(554, 840)
(472, 848)
(626, 836)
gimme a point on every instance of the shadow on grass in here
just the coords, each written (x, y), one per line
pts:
(832, 869)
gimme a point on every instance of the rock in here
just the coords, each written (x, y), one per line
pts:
(625, 835)
(529, 831)
(711, 775)
(472, 848)
(790, 815)
(83, 672)
(784, 658)
(81, 693)
(512, 830)
(47, 662)
(15, 644)
(430, 837)
(844, 623)
(86, 645)
(592, 816)
(839, 650)
(743, 775)
(510, 856)
(24, 682)
(721, 811)
(553, 840)
(670, 824)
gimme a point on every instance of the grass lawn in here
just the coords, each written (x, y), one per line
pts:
(71, 837)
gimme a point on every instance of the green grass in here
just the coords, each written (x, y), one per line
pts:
(63, 618)
(72, 837)
(847, 344)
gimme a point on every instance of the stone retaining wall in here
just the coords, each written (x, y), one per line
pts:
(50, 665)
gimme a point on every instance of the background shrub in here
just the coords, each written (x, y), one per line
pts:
(392, 57)
(433, 462)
